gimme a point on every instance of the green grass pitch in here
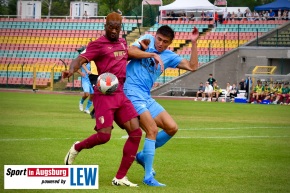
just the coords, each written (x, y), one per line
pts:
(220, 147)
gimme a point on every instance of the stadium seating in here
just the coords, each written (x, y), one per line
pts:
(42, 43)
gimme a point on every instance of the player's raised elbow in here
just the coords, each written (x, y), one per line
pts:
(193, 66)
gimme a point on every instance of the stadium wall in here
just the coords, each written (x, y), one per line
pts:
(230, 67)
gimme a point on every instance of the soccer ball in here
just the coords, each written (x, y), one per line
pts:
(107, 83)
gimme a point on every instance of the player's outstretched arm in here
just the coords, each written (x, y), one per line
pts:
(74, 67)
(136, 53)
(192, 64)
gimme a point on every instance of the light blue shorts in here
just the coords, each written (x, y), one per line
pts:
(144, 103)
(87, 87)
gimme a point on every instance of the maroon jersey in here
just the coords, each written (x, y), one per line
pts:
(109, 57)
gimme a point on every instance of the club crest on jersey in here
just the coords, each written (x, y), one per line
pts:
(119, 54)
(101, 119)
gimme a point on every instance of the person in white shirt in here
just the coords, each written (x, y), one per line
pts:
(228, 89)
(225, 14)
(207, 92)
(256, 16)
(239, 14)
(279, 14)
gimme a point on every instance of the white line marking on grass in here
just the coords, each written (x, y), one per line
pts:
(49, 139)
(34, 139)
(230, 128)
(231, 137)
(126, 136)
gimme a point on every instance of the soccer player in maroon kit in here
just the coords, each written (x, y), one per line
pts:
(110, 55)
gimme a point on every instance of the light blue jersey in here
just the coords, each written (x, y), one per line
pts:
(86, 78)
(86, 84)
(142, 73)
(140, 77)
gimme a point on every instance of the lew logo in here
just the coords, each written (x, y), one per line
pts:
(51, 177)
(83, 176)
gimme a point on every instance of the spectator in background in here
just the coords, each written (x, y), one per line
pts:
(228, 89)
(284, 15)
(242, 84)
(278, 92)
(183, 17)
(261, 15)
(234, 91)
(249, 15)
(233, 16)
(256, 16)
(202, 16)
(211, 80)
(271, 15)
(271, 95)
(279, 14)
(239, 15)
(258, 92)
(229, 15)
(287, 98)
(216, 91)
(201, 89)
(280, 97)
(266, 15)
(267, 91)
(216, 18)
(225, 13)
(207, 92)
(192, 17)
(85, 15)
(208, 16)
(289, 15)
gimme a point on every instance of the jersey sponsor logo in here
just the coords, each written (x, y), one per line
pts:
(119, 54)
(51, 177)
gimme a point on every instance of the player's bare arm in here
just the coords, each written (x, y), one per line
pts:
(144, 44)
(86, 69)
(192, 64)
(137, 53)
(74, 67)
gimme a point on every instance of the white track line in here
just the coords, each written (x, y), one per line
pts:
(125, 137)
(231, 137)
(176, 137)
(230, 128)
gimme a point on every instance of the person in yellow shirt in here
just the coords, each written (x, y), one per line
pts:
(273, 90)
(216, 91)
(258, 92)
(282, 92)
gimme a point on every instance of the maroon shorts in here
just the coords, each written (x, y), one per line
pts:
(116, 107)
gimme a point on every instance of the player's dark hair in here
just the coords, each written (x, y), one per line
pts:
(166, 31)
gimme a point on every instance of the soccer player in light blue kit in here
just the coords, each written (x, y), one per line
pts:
(87, 88)
(152, 57)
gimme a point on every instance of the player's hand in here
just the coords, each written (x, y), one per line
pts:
(66, 74)
(158, 60)
(83, 74)
(194, 35)
(144, 44)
